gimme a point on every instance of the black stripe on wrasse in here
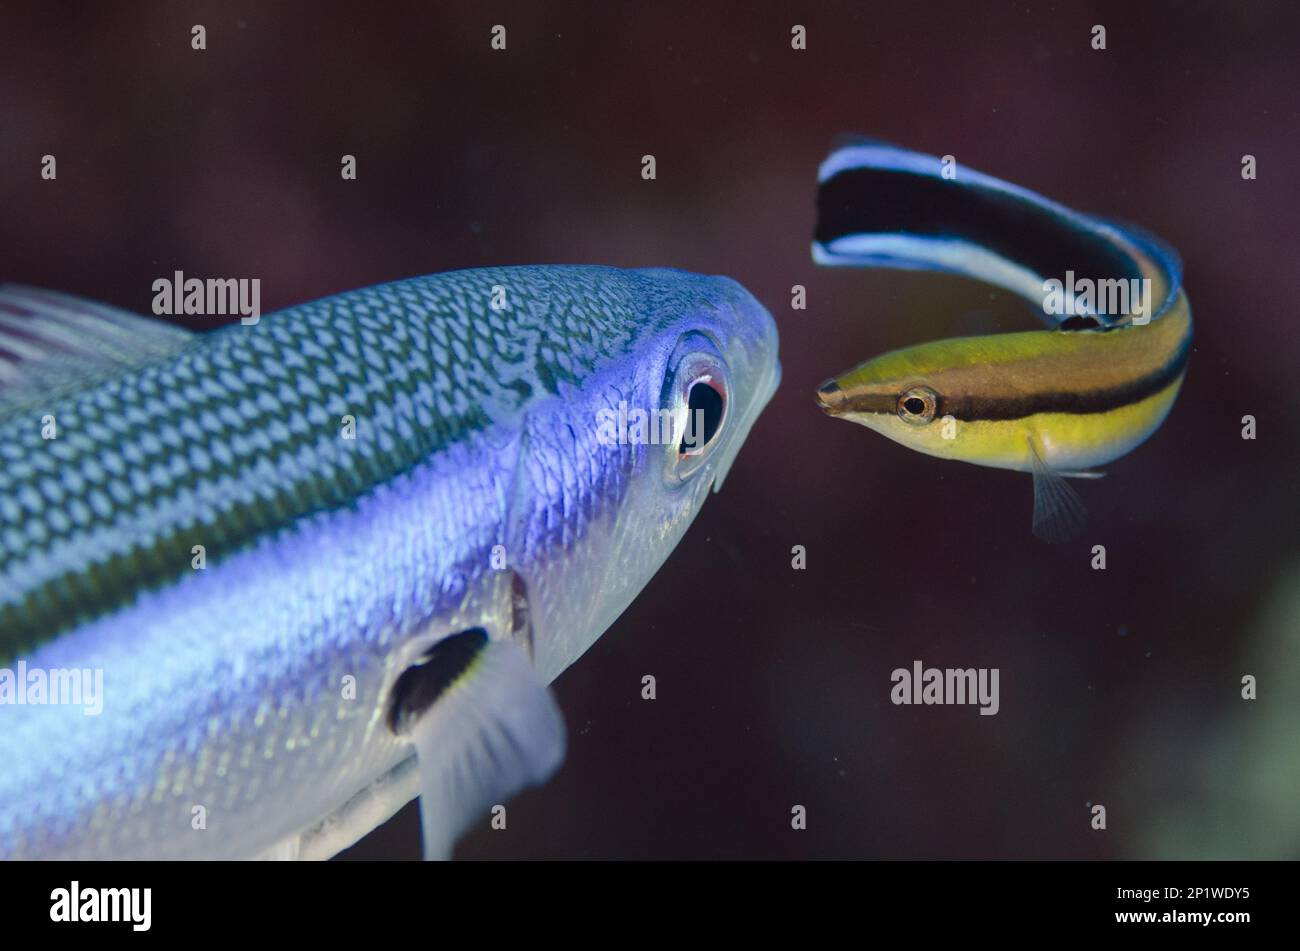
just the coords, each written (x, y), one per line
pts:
(1079, 401)
(1007, 406)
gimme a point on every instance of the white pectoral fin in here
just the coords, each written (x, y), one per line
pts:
(492, 730)
(1059, 513)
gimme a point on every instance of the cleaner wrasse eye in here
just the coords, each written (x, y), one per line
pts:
(305, 570)
(1052, 402)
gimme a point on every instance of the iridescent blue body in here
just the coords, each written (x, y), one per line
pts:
(245, 701)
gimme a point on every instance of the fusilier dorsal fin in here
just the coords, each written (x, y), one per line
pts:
(51, 341)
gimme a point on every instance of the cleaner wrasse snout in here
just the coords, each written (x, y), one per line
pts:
(830, 397)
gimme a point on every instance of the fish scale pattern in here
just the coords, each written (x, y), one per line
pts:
(243, 431)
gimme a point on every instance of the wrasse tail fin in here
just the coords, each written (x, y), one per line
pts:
(883, 206)
(484, 727)
(50, 340)
(1059, 513)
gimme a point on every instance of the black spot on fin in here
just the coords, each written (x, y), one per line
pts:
(483, 727)
(420, 685)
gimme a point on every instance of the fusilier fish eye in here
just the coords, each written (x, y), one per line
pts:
(917, 405)
(697, 396)
(705, 405)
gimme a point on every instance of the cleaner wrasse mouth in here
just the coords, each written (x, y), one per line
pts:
(839, 401)
(830, 398)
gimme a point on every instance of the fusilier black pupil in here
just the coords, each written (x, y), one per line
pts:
(914, 405)
(706, 406)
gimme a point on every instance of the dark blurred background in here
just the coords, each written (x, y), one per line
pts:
(1119, 687)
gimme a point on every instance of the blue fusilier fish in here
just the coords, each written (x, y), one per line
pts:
(330, 561)
(1050, 402)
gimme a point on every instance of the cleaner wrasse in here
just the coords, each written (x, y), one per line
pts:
(1050, 402)
(316, 566)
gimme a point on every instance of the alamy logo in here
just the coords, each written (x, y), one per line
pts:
(1084, 297)
(639, 427)
(217, 296)
(947, 685)
(36, 686)
(103, 904)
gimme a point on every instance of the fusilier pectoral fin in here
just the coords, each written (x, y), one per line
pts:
(484, 727)
(1059, 513)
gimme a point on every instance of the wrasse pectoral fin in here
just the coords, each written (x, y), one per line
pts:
(1059, 513)
(484, 727)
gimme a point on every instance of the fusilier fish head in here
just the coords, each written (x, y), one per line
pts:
(448, 488)
(624, 461)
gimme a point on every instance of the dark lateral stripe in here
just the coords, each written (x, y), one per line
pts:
(976, 408)
(1080, 401)
(1035, 236)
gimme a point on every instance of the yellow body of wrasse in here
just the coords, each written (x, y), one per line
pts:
(1050, 402)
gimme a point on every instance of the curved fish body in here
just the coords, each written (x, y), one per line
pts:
(307, 569)
(1052, 402)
